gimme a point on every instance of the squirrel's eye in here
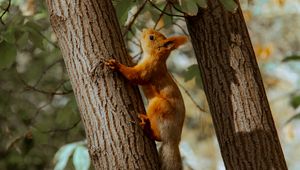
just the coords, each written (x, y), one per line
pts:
(151, 37)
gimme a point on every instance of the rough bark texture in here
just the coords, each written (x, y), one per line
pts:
(88, 33)
(241, 114)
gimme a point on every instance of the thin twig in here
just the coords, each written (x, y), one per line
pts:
(174, 15)
(138, 56)
(134, 36)
(49, 41)
(138, 44)
(27, 86)
(140, 9)
(45, 71)
(181, 19)
(18, 139)
(62, 129)
(5, 11)
(161, 14)
(61, 84)
(38, 111)
(177, 9)
(180, 27)
(189, 95)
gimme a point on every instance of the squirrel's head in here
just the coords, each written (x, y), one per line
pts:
(155, 42)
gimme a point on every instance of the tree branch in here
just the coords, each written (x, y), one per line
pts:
(189, 95)
(174, 15)
(161, 14)
(29, 87)
(128, 27)
(5, 11)
(62, 129)
(177, 9)
(46, 69)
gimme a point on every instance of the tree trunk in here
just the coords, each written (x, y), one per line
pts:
(88, 34)
(241, 114)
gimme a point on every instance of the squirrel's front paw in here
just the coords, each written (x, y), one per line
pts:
(112, 64)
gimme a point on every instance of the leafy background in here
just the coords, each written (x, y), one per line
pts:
(40, 124)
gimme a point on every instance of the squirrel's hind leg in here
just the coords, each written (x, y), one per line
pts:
(148, 127)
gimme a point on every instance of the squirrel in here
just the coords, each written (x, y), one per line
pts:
(165, 112)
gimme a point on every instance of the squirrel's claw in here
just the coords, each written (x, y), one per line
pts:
(112, 64)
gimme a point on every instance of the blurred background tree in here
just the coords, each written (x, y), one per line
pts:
(39, 120)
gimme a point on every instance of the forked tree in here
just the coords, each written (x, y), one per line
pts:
(88, 33)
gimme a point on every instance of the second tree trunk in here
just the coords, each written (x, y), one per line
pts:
(241, 114)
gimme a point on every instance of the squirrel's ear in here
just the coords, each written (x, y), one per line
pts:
(174, 42)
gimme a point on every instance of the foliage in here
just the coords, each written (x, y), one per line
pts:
(36, 101)
(81, 158)
(291, 58)
(192, 72)
(8, 55)
(295, 101)
(229, 5)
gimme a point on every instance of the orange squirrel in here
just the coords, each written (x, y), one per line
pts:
(165, 112)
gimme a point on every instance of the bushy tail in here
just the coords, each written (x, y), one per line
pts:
(170, 156)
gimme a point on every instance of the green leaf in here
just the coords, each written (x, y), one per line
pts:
(167, 20)
(33, 25)
(62, 156)
(199, 80)
(34, 35)
(9, 36)
(296, 116)
(8, 54)
(122, 9)
(189, 7)
(155, 14)
(23, 40)
(81, 158)
(41, 15)
(66, 112)
(37, 39)
(193, 72)
(291, 58)
(295, 101)
(201, 3)
(229, 5)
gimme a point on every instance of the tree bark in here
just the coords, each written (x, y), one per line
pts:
(88, 34)
(241, 114)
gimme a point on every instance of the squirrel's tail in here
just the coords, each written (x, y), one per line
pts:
(170, 156)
